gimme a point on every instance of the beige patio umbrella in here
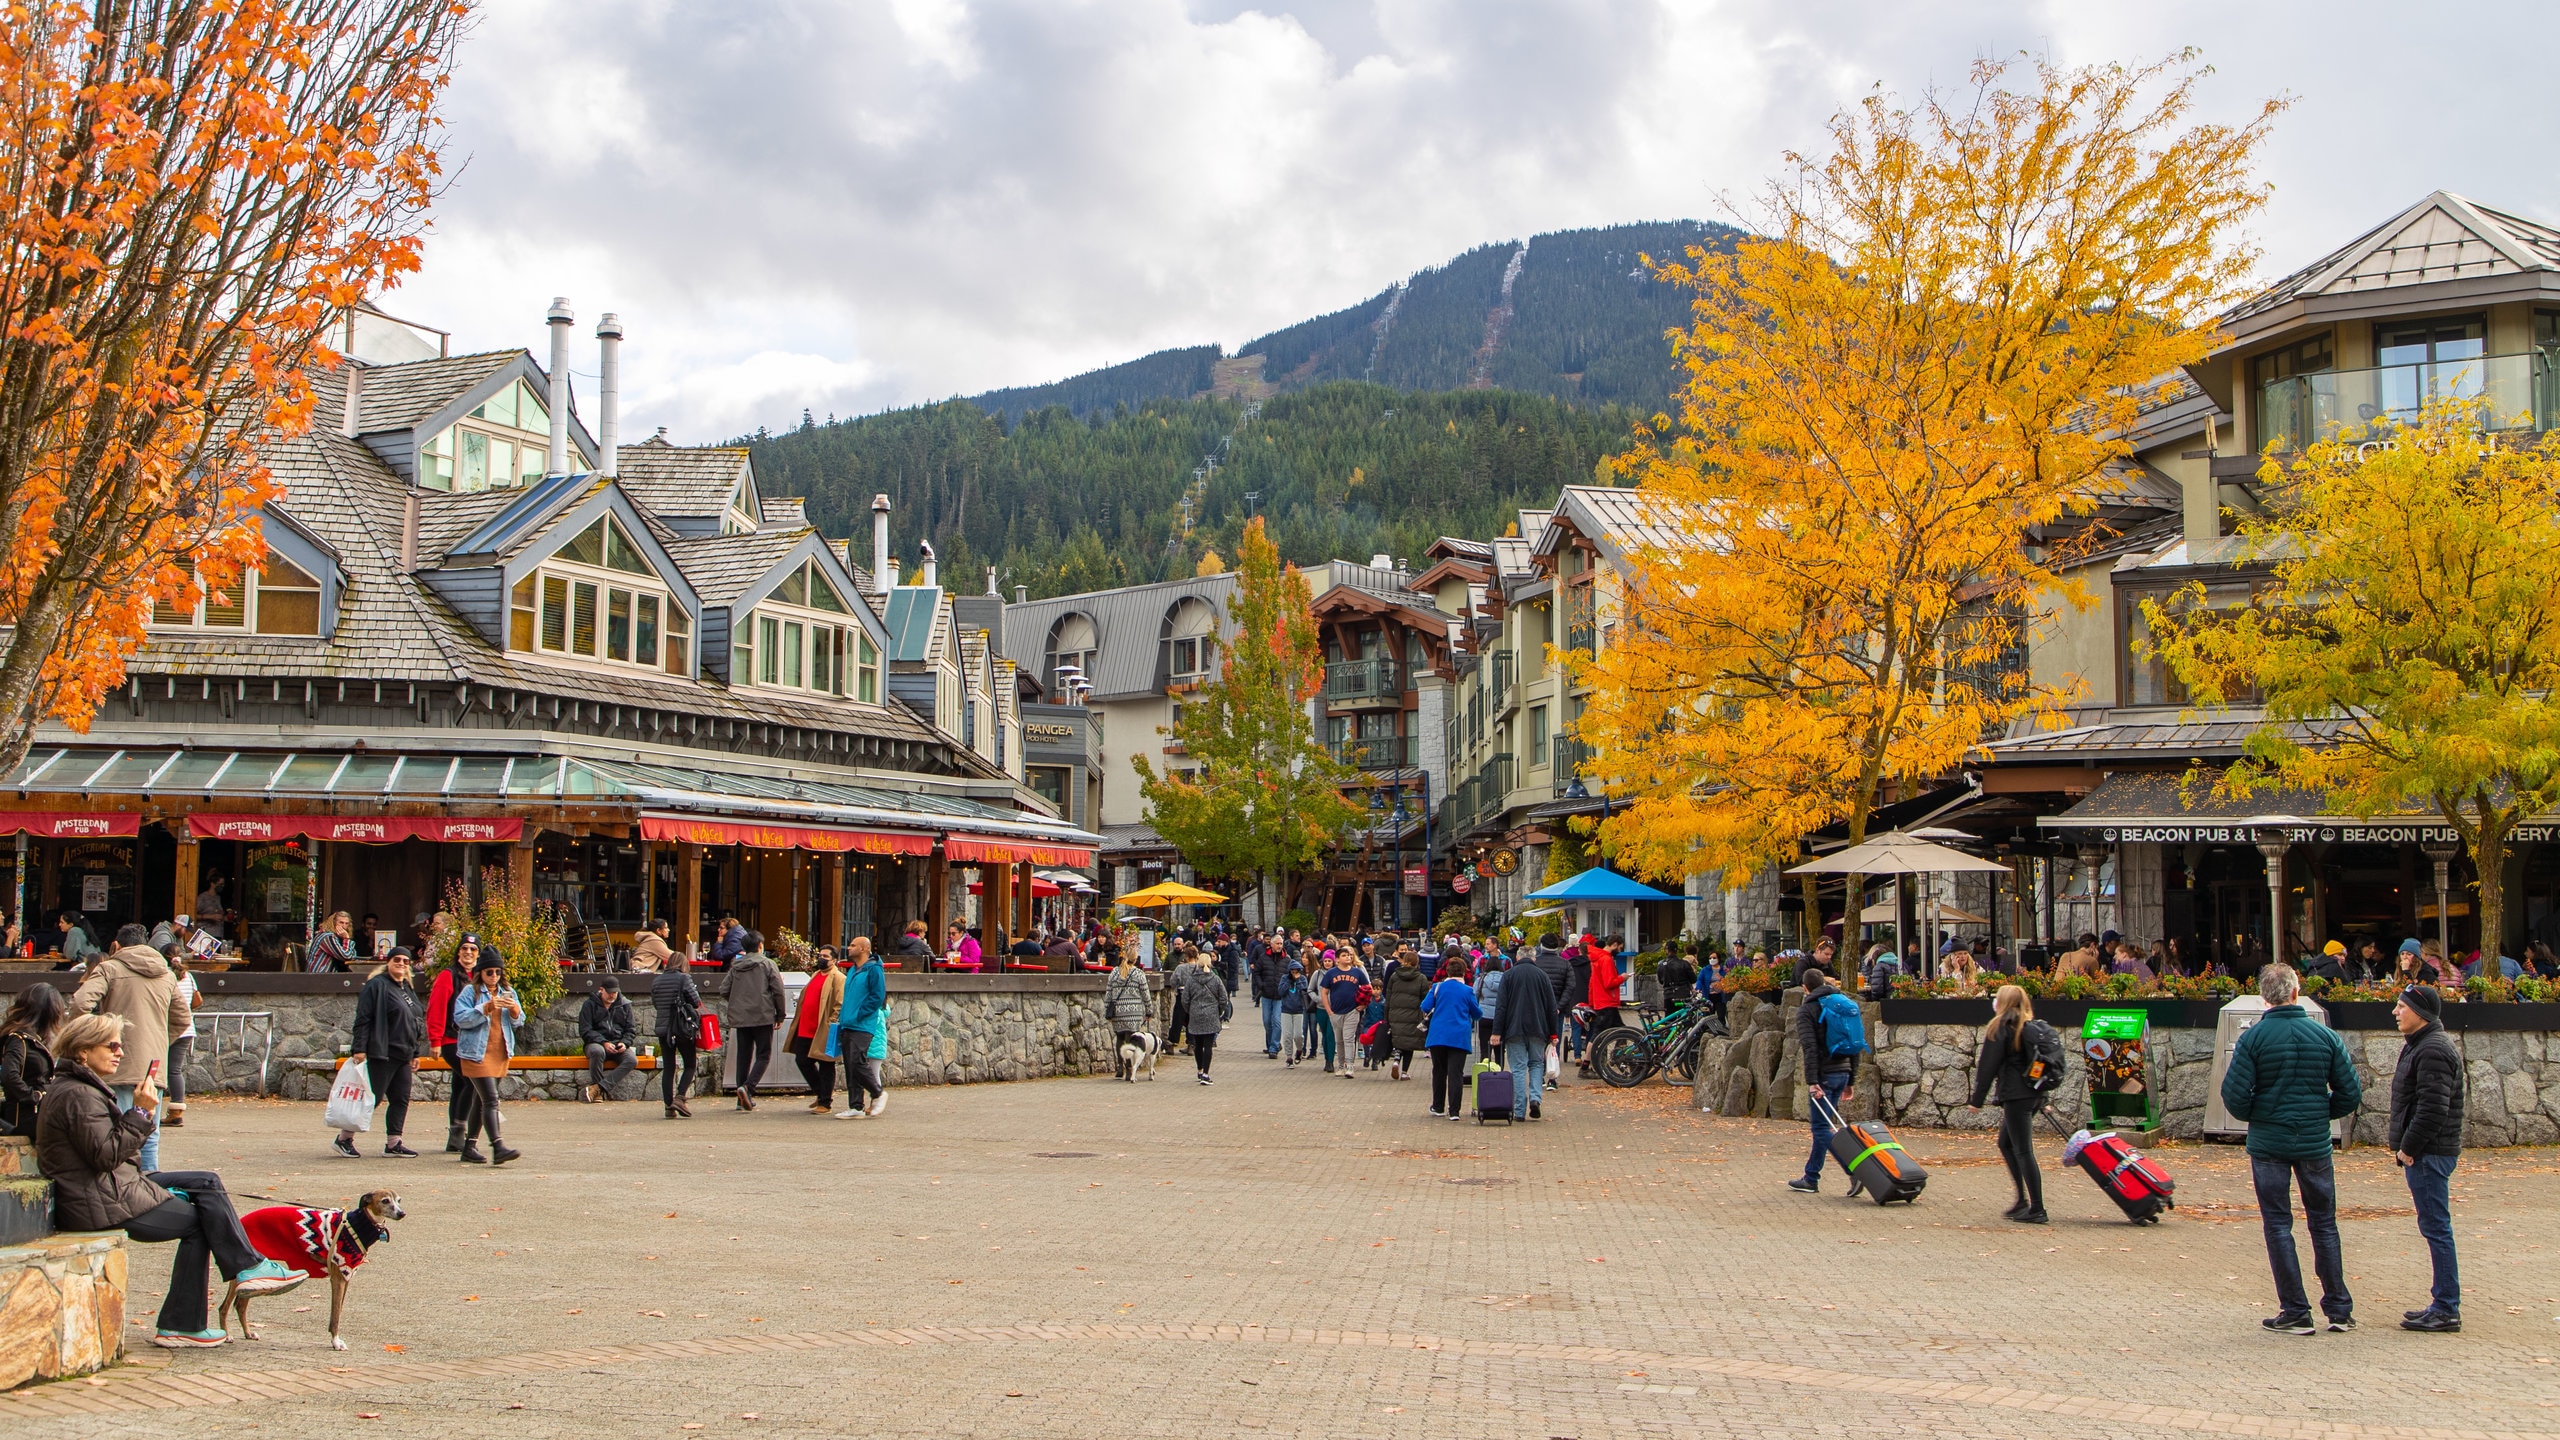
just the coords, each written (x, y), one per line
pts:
(1895, 853)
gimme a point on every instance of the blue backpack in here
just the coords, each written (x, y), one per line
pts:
(1844, 1029)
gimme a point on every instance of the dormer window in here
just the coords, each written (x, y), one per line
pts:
(741, 518)
(796, 638)
(280, 599)
(504, 442)
(597, 599)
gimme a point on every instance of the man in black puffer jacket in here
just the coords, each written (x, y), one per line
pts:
(1270, 966)
(1558, 969)
(2426, 1138)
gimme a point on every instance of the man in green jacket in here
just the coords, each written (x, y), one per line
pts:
(2289, 1078)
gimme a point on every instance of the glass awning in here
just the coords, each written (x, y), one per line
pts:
(166, 774)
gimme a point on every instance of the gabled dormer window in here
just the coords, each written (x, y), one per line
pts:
(597, 598)
(795, 639)
(280, 599)
(504, 442)
(742, 518)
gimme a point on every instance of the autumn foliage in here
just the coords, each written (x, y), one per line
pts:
(1899, 406)
(2403, 634)
(194, 191)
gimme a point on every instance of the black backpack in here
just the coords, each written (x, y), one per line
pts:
(2040, 1056)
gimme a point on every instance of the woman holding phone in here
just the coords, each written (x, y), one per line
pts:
(485, 1015)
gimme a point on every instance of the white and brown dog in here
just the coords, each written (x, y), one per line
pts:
(1139, 1049)
(315, 1241)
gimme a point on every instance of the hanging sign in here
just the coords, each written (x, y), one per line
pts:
(1506, 862)
(69, 824)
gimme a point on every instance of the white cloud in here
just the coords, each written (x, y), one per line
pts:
(850, 206)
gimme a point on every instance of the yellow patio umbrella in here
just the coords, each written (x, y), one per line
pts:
(1171, 892)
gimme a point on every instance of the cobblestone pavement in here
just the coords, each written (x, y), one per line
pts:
(1294, 1254)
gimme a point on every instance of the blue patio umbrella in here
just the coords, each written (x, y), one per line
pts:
(1601, 888)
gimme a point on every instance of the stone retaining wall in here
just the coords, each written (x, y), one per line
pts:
(61, 1296)
(1923, 1074)
(944, 1030)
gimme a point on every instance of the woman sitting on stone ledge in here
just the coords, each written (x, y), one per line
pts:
(86, 1144)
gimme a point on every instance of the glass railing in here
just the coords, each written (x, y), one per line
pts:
(1570, 754)
(1361, 680)
(2509, 392)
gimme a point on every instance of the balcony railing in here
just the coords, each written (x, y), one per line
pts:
(1570, 755)
(2510, 392)
(1352, 680)
(1505, 684)
(1384, 752)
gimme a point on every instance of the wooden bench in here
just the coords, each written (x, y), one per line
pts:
(540, 1062)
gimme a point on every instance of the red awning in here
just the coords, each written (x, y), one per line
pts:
(971, 849)
(783, 837)
(362, 830)
(69, 824)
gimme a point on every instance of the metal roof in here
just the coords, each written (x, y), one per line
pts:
(2442, 237)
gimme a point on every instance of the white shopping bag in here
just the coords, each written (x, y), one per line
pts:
(350, 1099)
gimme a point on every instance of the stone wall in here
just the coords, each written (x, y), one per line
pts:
(61, 1296)
(1921, 1075)
(944, 1029)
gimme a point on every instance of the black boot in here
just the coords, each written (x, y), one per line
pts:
(453, 1139)
(471, 1152)
(498, 1150)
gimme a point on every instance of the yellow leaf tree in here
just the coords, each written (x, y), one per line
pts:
(191, 193)
(1894, 405)
(2406, 646)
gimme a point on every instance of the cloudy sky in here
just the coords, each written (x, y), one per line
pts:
(849, 206)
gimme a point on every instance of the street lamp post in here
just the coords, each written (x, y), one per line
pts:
(2273, 843)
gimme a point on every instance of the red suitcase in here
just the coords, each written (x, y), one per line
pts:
(2140, 1188)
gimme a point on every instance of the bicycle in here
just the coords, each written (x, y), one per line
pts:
(1626, 1056)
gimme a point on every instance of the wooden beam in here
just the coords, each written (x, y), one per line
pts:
(937, 900)
(190, 855)
(520, 872)
(831, 903)
(685, 926)
(995, 908)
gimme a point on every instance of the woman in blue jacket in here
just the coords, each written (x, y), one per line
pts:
(484, 1049)
(862, 1032)
(1451, 1008)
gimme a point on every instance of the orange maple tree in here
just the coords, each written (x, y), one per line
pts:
(194, 190)
(1897, 409)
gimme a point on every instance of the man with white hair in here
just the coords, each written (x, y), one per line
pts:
(2289, 1078)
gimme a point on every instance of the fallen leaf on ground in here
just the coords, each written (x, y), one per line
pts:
(655, 1314)
(395, 1349)
(301, 1309)
(573, 1312)
(368, 1414)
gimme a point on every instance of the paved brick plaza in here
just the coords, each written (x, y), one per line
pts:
(1294, 1254)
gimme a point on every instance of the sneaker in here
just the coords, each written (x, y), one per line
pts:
(2434, 1322)
(1437, 1112)
(1204, 1079)
(190, 1339)
(591, 1094)
(1533, 1111)
(344, 1148)
(268, 1277)
(878, 1103)
(399, 1150)
(853, 1115)
(1395, 1070)
(2301, 1324)
(2417, 1314)
(1454, 1115)
(1802, 1186)
(2341, 1324)
(2036, 1216)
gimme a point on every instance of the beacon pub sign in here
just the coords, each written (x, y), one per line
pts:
(2336, 830)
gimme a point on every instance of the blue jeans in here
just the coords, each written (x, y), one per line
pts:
(1832, 1088)
(2430, 1189)
(1271, 1024)
(149, 1159)
(2274, 1181)
(1529, 1063)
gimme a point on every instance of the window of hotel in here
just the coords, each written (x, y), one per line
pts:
(504, 442)
(2422, 360)
(281, 599)
(1049, 782)
(2285, 411)
(2148, 680)
(1191, 640)
(1537, 734)
(584, 602)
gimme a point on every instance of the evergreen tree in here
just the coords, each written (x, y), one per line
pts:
(1267, 798)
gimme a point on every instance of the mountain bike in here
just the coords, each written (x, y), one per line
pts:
(1626, 1056)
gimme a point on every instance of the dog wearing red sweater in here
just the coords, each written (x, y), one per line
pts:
(314, 1240)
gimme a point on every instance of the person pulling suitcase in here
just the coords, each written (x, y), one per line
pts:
(2019, 1057)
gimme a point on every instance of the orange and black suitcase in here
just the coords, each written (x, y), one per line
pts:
(1876, 1162)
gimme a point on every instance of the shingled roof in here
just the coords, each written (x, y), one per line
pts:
(396, 397)
(677, 480)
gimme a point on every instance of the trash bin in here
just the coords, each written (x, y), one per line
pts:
(2236, 1017)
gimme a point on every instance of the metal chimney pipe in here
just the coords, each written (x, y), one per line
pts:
(991, 583)
(609, 394)
(559, 320)
(925, 549)
(350, 422)
(1021, 594)
(882, 577)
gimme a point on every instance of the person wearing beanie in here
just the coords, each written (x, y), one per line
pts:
(2329, 964)
(2426, 1138)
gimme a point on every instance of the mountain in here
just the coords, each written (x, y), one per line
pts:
(1062, 504)
(1438, 406)
(1572, 314)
